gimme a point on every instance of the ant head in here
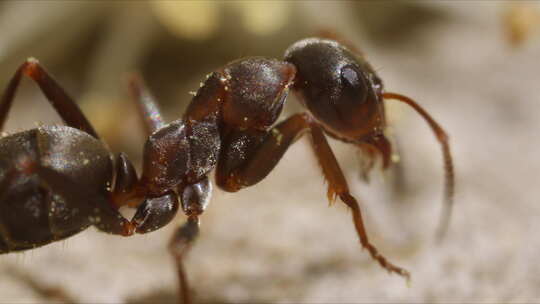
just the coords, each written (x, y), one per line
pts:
(256, 89)
(338, 87)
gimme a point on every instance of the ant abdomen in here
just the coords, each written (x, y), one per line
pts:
(34, 210)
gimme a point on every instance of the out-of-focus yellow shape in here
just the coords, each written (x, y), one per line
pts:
(520, 20)
(263, 17)
(188, 19)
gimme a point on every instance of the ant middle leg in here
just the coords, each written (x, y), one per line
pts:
(337, 186)
(62, 103)
(179, 245)
(195, 198)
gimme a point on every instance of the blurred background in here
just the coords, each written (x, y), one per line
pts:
(473, 65)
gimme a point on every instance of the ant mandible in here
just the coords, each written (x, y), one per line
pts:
(56, 181)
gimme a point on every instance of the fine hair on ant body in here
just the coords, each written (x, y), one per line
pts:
(56, 181)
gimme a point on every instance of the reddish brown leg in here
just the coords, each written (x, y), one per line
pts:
(125, 192)
(179, 246)
(63, 104)
(447, 157)
(337, 186)
(247, 157)
(146, 104)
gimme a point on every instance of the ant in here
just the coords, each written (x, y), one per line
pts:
(56, 181)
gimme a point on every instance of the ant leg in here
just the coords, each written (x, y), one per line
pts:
(235, 171)
(146, 104)
(248, 156)
(337, 186)
(62, 103)
(179, 246)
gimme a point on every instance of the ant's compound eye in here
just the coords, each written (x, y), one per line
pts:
(354, 85)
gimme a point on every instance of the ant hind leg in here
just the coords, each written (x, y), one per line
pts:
(62, 103)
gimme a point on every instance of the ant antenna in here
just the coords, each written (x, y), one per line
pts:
(447, 157)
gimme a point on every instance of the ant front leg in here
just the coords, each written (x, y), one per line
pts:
(195, 199)
(248, 156)
(179, 245)
(62, 103)
(337, 186)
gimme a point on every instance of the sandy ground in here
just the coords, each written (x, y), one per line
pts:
(279, 241)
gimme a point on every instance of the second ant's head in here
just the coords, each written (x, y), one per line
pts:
(338, 87)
